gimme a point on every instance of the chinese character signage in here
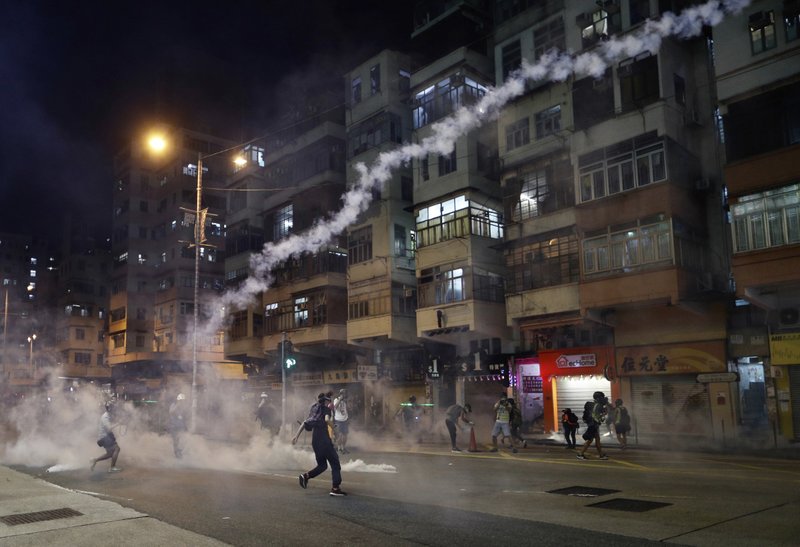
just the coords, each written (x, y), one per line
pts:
(688, 358)
(784, 349)
(532, 384)
(367, 372)
(340, 376)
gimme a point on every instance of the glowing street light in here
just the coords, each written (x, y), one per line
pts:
(31, 339)
(158, 144)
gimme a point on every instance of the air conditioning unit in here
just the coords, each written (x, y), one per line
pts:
(788, 317)
(692, 117)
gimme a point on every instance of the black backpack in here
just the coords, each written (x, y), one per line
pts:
(587, 412)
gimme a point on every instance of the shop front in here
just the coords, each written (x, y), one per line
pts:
(785, 360)
(675, 395)
(559, 379)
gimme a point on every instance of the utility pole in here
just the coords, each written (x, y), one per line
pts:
(283, 382)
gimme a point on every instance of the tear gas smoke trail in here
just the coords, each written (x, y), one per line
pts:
(555, 66)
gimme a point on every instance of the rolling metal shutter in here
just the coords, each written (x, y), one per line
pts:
(794, 395)
(668, 406)
(573, 392)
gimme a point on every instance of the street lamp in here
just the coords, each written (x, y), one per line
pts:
(158, 143)
(31, 338)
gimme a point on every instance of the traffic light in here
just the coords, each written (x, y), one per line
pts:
(289, 360)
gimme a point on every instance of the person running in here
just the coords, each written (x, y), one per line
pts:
(569, 422)
(502, 410)
(594, 414)
(317, 422)
(453, 414)
(622, 423)
(340, 420)
(107, 440)
(177, 424)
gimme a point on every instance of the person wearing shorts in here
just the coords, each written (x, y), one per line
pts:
(502, 423)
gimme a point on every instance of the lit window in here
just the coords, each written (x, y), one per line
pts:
(548, 121)
(517, 134)
(762, 31)
(375, 79)
(355, 90)
(33, 273)
(284, 220)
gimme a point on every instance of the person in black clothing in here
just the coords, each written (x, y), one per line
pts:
(317, 422)
(570, 423)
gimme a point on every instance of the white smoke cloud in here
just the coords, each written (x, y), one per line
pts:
(54, 433)
(554, 66)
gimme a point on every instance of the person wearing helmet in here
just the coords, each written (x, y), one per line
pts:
(340, 421)
(107, 439)
(177, 424)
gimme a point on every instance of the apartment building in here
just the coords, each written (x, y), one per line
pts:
(757, 68)
(458, 211)
(27, 280)
(84, 272)
(381, 284)
(302, 180)
(616, 239)
(151, 306)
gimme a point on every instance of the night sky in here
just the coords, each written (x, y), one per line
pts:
(78, 78)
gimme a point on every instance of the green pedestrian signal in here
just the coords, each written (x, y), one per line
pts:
(287, 354)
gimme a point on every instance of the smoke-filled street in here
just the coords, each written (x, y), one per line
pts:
(423, 494)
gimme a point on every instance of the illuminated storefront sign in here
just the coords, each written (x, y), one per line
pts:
(571, 361)
(784, 349)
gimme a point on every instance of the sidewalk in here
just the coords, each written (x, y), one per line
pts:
(35, 512)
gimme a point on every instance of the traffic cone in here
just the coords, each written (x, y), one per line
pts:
(473, 445)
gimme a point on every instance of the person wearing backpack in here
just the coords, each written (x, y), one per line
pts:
(594, 414)
(622, 423)
(569, 422)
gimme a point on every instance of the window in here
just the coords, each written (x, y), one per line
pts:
(284, 220)
(791, 20)
(552, 260)
(406, 189)
(444, 98)
(680, 89)
(80, 334)
(118, 340)
(549, 36)
(400, 247)
(548, 121)
(621, 167)
(355, 90)
(118, 314)
(639, 10)
(424, 168)
(358, 309)
(766, 219)
(359, 245)
(601, 25)
(625, 248)
(447, 164)
(534, 191)
(375, 79)
(456, 217)
(450, 286)
(238, 328)
(301, 311)
(82, 358)
(140, 340)
(638, 81)
(593, 100)
(511, 58)
(517, 134)
(762, 31)
(187, 308)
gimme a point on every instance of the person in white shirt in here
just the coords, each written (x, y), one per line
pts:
(340, 419)
(107, 440)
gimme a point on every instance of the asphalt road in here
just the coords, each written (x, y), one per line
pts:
(439, 498)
